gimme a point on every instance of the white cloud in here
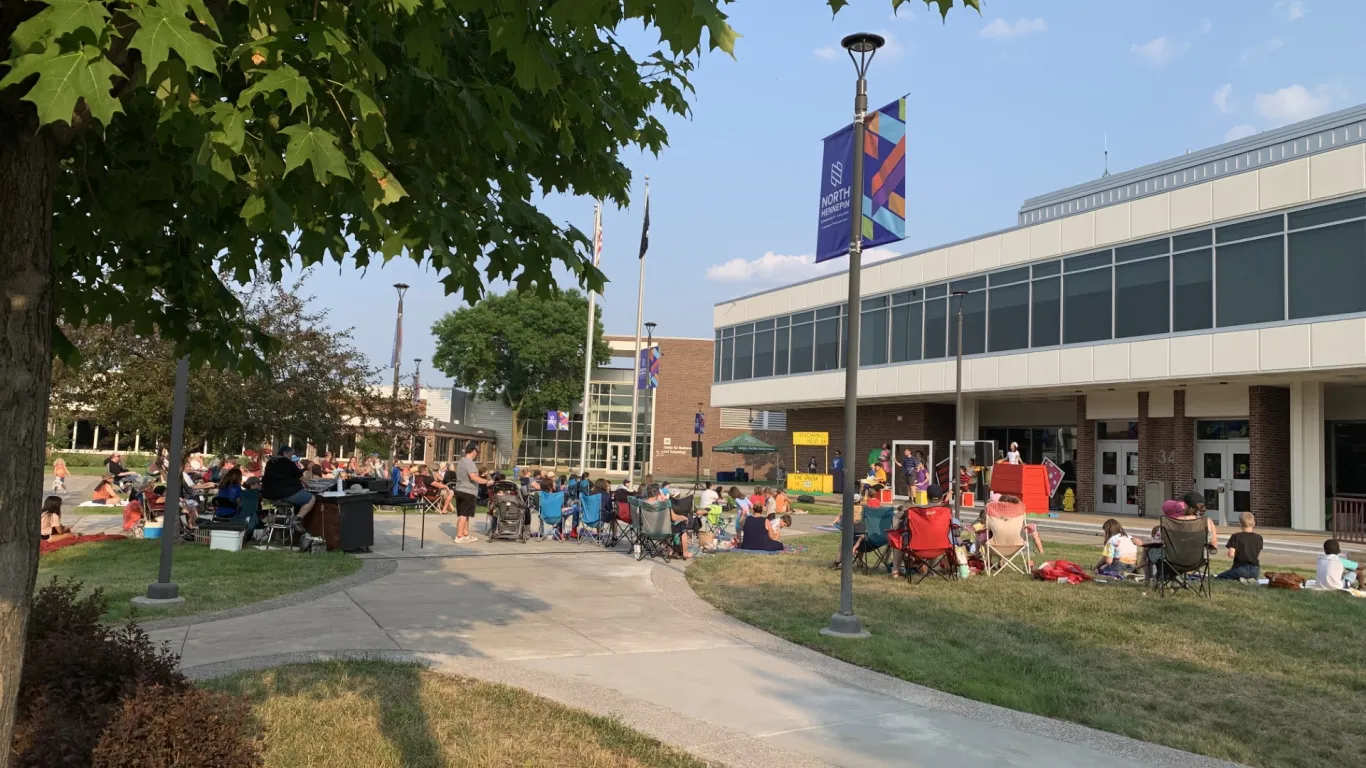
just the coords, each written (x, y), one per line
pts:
(1159, 50)
(1294, 9)
(780, 267)
(828, 53)
(1295, 102)
(1261, 50)
(1205, 26)
(1221, 97)
(1240, 132)
(1001, 29)
(892, 50)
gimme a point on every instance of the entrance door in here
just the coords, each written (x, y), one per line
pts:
(1223, 475)
(978, 456)
(899, 447)
(618, 456)
(1117, 477)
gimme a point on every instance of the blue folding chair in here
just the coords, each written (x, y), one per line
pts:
(552, 514)
(590, 522)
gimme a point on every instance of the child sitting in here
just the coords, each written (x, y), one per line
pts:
(50, 527)
(1334, 570)
(776, 524)
(1120, 554)
(1245, 547)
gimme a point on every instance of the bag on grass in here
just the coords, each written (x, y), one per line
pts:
(1285, 580)
(1054, 570)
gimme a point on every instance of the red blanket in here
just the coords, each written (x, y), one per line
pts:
(1061, 569)
(52, 546)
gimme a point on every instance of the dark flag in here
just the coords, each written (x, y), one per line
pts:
(645, 230)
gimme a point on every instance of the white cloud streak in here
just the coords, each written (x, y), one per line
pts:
(1295, 102)
(829, 53)
(1221, 97)
(1241, 131)
(1159, 50)
(1000, 29)
(786, 268)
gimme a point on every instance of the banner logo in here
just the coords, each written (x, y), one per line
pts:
(836, 174)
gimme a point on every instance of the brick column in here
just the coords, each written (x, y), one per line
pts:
(1269, 439)
(1182, 447)
(1148, 447)
(1086, 459)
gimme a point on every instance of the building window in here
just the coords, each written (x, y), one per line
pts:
(1116, 430)
(780, 351)
(1142, 298)
(1086, 306)
(974, 323)
(443, 448)
(936, 327)
(727, 349)
(1192, 290)
(1328, 270)
(716, 358)
(906, 330)
(763, 350)
(1046, 313)
(744, 352)
(1249, 282)
(828, 339)
(873, 332)
(1009, 326)
(1221, 430)
(803, 345)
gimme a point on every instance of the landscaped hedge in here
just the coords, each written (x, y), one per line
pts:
(134, 461)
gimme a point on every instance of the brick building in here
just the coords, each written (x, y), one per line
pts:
(1195, 324)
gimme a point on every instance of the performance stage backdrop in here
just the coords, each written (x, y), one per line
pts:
(884, 183)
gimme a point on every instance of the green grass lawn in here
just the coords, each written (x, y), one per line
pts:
(386, 715)
(1259, 676)
(209, 581)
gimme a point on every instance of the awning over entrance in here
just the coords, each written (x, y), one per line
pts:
(746, 444)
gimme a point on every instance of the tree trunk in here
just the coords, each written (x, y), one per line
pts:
(27, 168)
(516, 436)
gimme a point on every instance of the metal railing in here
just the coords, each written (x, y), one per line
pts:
(1349, 519)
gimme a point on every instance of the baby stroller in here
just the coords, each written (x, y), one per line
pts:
(509, 516)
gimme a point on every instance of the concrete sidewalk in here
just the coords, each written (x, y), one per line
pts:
(599, 631)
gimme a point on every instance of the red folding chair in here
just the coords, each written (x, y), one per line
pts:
(930, 549)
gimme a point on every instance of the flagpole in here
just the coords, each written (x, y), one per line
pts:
(640, 312)
(588, 344)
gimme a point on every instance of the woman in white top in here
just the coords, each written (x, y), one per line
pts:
(1013, 456)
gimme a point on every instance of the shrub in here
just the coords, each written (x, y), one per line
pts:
(160, 727)
(77, 675)
(134, 461)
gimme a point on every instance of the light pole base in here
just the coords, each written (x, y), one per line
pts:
(160, 595)
(845, 626)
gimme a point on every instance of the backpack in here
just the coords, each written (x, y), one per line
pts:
(1285, 580)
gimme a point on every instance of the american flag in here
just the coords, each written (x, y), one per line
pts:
(597, 234)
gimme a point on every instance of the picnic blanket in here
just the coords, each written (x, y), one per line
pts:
(52, 546)
(788, 548)
(1061, 570)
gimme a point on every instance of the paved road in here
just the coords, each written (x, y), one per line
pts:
(599, 631)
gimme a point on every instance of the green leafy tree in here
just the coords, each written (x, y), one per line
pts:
(153, 151)
(522, 349)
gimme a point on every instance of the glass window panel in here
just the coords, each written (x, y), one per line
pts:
(1086, 306)
(763, 325)
(1193, 291)
(1046, 311)
(1142, 298)
(873, 303)
(936, 314)
(1009, 326)
(1325, 214)
(1212, 466)
(716, 360)
(763, 354)
(974, 323)
(782, 322)
(905, 297)
(873, 338)
(1202, 239)
(744, 356)
(726, 333)
(746, 328)
(1009, 276)
(1109, 494)
(936, 291)
(1242, 466)
(1328, 270)
(1142, 250)
(1250, 282)
(780, 347)
(969, 284)
(828, 312)
(1047, 269)
(803, 347)
(803, 317)
(1086, 262)
(1246, 229)
(1109, 463)
(828, 344)
(906, 329)
(727, 350)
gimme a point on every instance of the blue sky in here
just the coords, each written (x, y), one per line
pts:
(1002, 107)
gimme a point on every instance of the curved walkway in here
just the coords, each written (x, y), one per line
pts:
(598, 631)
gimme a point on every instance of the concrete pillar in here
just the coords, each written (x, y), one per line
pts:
(73, 435)
(95, 441)
(970, 419)
(137, 441)
(1307, 460)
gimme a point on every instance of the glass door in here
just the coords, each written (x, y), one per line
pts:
(1223, 477)
(1117, 477)
(618, 454)
(899, 447)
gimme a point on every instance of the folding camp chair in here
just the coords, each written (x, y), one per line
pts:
(624, 521)
(931, 546)
(1007, 546)
(1184, 555)
(654, 529)
(872, 540)
(551, 508)
(590, 521)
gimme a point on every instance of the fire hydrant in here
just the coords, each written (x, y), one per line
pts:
(1069, 501)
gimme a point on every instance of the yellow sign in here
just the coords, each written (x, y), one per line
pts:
(804, 483)
(810, 438)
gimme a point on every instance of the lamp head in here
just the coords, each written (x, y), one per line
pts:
(650, 327)
(862, 42)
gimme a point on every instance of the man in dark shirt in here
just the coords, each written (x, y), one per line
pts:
(283, 481)
(120, 473)
(1245, 547)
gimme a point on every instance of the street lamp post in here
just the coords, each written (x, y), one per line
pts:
(958, 411)
(166, 592)
(650, 438)
(862, 47)
(398, 335)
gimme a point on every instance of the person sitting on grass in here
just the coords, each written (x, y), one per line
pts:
(1245, 547)
(283, 481)
(1334, 570)
(50, 527)
(755, 535)
(776, 524)
(1120, 553)
(105, 492)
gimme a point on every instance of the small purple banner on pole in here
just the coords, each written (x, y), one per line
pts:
(699, 423)
(647, 369)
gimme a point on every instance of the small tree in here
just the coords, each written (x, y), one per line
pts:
(522, 349)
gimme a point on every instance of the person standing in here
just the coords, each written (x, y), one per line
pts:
(467, 482)
(1013, 455)
(885, 458)
(908, 465)
(837, 473)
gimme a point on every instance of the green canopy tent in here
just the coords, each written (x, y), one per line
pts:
(745, 444)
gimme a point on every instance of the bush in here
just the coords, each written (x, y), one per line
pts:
(160, 727)
(135, 461)
(77, 675)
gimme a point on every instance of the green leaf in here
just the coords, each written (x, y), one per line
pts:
(284, 78)
(82, 74)
(380, 184)
(59, 18)
(317, 147)
(161, 31)
(254, 207)
(232, 126)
